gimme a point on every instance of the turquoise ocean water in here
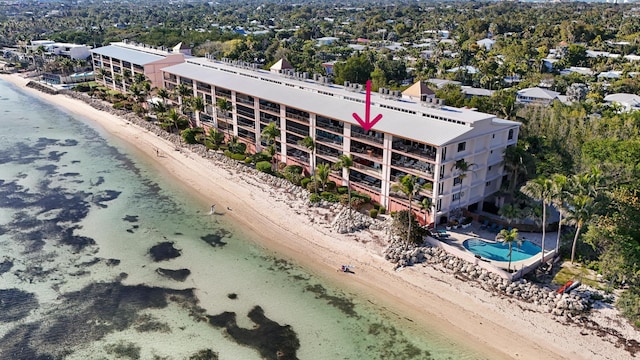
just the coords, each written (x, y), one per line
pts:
(80, 215)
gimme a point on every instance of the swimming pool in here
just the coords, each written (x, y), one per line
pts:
(499, 251)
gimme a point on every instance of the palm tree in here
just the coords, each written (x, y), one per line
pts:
(510, 213)
(197, 104)
(409, 186)
(163, 94)
(270, 133)
(461, 167)
(322, 174)
(215, 136)
(509, 237)
(515, 159)
(540, 189)
(558, 199)
(181, 92)
(225, 106)
(311, 145)
(160, 108)
(174, 118)
(580, 212)
(345, 162)
(426, 205)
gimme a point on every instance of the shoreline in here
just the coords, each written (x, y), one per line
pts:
(421, 297)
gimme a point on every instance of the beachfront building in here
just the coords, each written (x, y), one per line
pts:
(117, 64)
(418, 134)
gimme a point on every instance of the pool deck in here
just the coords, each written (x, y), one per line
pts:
(458, 236)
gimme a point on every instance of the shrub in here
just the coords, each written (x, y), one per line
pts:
(247, 160)
(331, 185)
(357, 202)
(329, 196)
(239, 157)
(304, 182)
(344, 199)
(311, 186)
(227, 153)
(376, 206)
(119, 105)
(294, 169)
(190, 135)
(382, 210)
(342, 190)
(373, 213)
(264, 166)
(315, 198)
(210, 145)
(293, 173)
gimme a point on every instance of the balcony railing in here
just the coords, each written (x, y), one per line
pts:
(370, 138)
(246, 123)
(244, 101)
(367, 168)
(298, 131)
(223, 95)
(328, 127)
(269, 108)
(325, 152)
(328, 139)
(298, 117)
(429, 154)
(249, 114)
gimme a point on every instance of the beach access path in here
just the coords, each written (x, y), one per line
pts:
(420, 297)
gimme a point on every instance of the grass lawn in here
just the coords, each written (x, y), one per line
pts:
(575, 272)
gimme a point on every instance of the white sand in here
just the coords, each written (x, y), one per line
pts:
(496, 326)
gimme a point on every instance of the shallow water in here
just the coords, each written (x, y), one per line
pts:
(79, 213)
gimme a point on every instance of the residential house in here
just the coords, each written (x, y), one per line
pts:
(628, 102)
(536, 95)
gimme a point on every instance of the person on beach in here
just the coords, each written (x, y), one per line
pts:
(213, 209)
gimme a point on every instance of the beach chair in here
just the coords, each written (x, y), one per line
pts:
(484, 225)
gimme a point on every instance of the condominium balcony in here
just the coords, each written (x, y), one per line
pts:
(328, 126)
(244, 101)
(368, 182)
(245, 111)
(412, 165)
(420, 150)
(273, 109)
(246, 123)
(304, 119)
(371, 136)
(298, 156)
(368, 170)
(223, 94)
(328, 138)
(327, 151)
(297, 130)
(369, 152)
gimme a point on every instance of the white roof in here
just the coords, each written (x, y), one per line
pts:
(624, 98)
(125, 54)
(467, 68)
(610, 74)
(538, 93)
(409, 119)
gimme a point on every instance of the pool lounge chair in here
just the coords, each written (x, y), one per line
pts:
(484, 225)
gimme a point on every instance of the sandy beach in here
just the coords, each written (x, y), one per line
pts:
(422, 297)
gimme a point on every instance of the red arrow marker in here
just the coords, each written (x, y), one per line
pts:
(367, 123)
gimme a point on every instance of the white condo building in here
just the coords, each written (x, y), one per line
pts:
(417, 135)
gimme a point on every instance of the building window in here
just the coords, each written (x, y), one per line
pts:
(439, 205)
(488, 183)
(462, 146)
(493, 136)
(457, 180)
(444, 153)
(442, 172)
(510, 137)
(457, 196)
(489, 168)
(440, 187)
